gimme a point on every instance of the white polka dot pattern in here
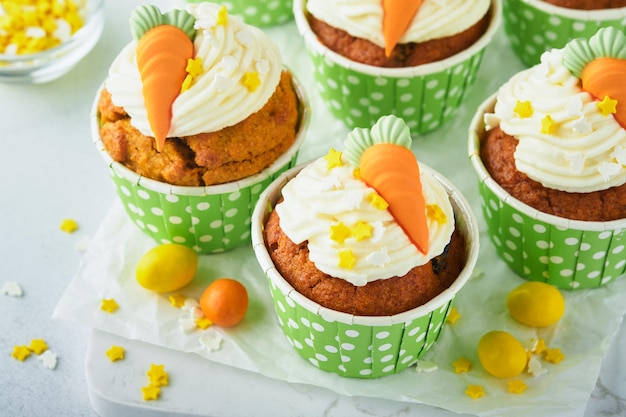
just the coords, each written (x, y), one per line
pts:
(532, 31)
(261, 12)
(567, 257)
(355, 350)
(425, 102)
(207, 224)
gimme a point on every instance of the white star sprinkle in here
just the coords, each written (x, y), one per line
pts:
(378, 258)
(211, 341)
(581, 125)
(619, 154)
(49, 359)
(575, 106)
(12, 288)
(609, 169)
(576, 161)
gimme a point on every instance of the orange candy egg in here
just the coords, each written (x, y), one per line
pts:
(225, 302)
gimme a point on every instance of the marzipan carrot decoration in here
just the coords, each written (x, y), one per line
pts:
(604, 77)
(165, 43)
(394, 173)
(162, 55)
(397, 16)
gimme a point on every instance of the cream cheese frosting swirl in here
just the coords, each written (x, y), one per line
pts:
(319, 198)
(565, 141)
(435, 19)
(217, 98)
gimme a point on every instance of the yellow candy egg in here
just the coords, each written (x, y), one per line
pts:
(167, 267)
(536, 304)
(501, 354)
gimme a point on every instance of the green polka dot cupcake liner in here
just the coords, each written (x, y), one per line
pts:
(260, 13)
(208, 219)
(425, 96)
(568, 254)
(534, 26)
(359, 346)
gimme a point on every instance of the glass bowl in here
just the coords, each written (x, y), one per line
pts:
(54, 62)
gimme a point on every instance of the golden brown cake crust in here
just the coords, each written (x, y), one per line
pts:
(496, 152)
(231, 154)
(403, 55)
(588, 4)
(378, 298)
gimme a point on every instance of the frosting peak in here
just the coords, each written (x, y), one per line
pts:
(351, 231)
(236, 67)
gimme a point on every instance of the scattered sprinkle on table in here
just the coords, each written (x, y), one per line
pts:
(150, 392)
(69, 226)
(517, 386)
(554, 355)
(474, 391)
(177, 300)
(12, 289)
(21, 352)
(461, 365)
(211, 341)
(109, 305)
(38, 346)
(115, 353)
(48, 359)
(203, 323)
(158, 376)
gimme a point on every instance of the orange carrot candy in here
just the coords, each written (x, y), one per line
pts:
(164, 45)
(600, 63)
(387, 164)
(397, 16)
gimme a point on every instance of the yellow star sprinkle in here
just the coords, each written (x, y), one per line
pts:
(333, 159)
(607, 106)
(540, 347)
(474, 391)
(339, 232)
(548, 126)
(554, 355)
(222, 16)
(347, 260)
(204, 323)
(523, 109)
(362, 231)
(38, 346)
(357, 173)
(251, 80)
(433, 211)
(20, 352)
(194, 66)
(115, 353)
(186, 83)
(69, 225)
(517, 386)
(150, 392)
(158, 376)
(177, 300)
(453, 315)
(461, 365)
(378, 202)
(109, 305)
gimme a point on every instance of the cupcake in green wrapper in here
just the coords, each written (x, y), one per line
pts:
(421, 71)
(535, 26)
(550, 152)
(261, 13)
(192, 144)
(363, 271)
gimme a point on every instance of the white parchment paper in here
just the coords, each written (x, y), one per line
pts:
(592, 317)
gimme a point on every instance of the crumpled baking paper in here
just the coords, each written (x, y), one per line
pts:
(257, 344)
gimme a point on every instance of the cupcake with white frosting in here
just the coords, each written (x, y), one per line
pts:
(353, 257)
(550, 150)
(416, 61)
(196, 116)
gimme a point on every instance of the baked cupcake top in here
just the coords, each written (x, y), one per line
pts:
(568, 114)
(425, 20)
(226, 71)
(360, 224)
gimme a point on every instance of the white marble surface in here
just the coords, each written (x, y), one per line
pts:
(49, 171)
